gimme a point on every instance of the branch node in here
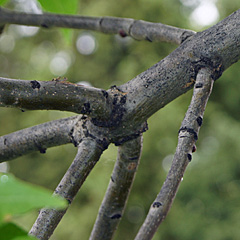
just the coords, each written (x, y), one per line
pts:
(189, 130)
(35, 84)
(157, 204)
(116, 216)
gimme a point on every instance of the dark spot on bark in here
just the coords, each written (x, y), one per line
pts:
(112, 179)
(133, 158)
(122, 33)
(115, 101)
(194, 148)
(116, 216)
(72, 138)
(199, 121)
(86, 109)
(148, 39)
(186, 35)
(190, 130)
(198, 85)
(156, 204)
(44, 25)
(5, 141)
(103, 143)
(189, 157)
(35, 84)
(105, 94)
(113, 87)
(2, 29)
(42, 150)
(123, 100)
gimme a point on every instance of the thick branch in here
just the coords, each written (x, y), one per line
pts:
(188, 135)
(137, 29)
(217, 48)
(115, 199)
(37, 138)
(88, 154)
(54, 95)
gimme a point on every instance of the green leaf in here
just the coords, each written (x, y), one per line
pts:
(17, 197)
(2, 2)
(10, 231)
(60, 6)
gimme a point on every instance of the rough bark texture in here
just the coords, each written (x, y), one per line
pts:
(112, 207)
(37, 138)
(188, 135)
(54, 95)
(119, 114)
(217, 48)
(137, 29)
(88, 154)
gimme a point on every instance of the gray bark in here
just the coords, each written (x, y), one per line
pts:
(119, 114)
(137, 29)
(188, 135)
(53, 95)
(88, 154)
(217, 48)
(37, 138)
(114, 202)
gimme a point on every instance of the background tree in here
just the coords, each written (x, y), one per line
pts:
(200, 197)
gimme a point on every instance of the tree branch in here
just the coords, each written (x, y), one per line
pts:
(115, 199)
(88, 154)
(188, 135)
(137, 29)
(217, 48)
(37, 138)
(54, 95)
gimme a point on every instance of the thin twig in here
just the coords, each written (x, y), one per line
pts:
(188, 135)
(37, 138)
(137, 29)
(55, 95)
(88, 154)
(115, 199)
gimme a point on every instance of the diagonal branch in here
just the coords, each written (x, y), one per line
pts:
(54, 95)
(188, 134)
(137, 29)
(217, 48)
(88, 154)
(115, 199)
(37, 138)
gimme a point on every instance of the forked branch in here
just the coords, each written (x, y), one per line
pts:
(112, 208)
(137, 29)
(188, 134)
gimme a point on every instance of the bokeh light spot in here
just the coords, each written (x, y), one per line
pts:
(60, 63)
(7, 43)
(86, 44)
(205, 14)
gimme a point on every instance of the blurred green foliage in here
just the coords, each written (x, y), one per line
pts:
(207, 204)
(17, 198)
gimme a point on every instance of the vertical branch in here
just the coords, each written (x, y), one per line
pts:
(114, 202)
(88, 154)
(188, 134)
